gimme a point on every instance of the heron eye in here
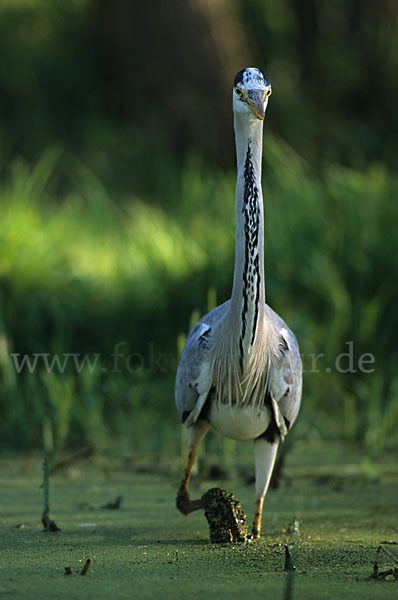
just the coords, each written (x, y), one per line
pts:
(268, 92)
(238, 91)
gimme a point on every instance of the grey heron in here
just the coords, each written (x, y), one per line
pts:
(240, 370)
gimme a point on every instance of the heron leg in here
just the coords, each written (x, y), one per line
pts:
(264, 460)
(184, 503)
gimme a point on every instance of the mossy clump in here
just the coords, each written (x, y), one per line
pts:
(226, 518)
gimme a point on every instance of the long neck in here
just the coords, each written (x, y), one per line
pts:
(248, 293)
(245, 341)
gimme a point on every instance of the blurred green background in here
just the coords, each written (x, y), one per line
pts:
(117, 209)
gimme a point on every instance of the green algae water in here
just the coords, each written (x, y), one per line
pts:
(331, 509)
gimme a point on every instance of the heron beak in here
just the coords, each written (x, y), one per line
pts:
(256, 101)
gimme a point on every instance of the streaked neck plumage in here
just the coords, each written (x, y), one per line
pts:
(242, 343)
(248, 293)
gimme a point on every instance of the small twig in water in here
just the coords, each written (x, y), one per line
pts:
(289, 565)
(113, 505)
(85, 567)
(380, 575)
(177, 556)
(294, 527)
(383, 574)
(375, 569)
(48, 524)
(389, 542)
(387, 552)
(46, 491)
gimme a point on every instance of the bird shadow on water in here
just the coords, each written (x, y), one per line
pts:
(133, 536)
(109, 536)
(178, 543)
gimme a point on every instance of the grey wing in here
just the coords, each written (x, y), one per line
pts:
(285, 377)
(192, 361)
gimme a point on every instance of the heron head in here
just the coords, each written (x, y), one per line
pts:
(252, 88)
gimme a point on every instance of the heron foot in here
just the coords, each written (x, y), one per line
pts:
(184, 503)
(255, 533)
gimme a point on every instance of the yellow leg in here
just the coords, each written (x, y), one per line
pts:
(264, 459)
(184, 502)
(258, 512)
